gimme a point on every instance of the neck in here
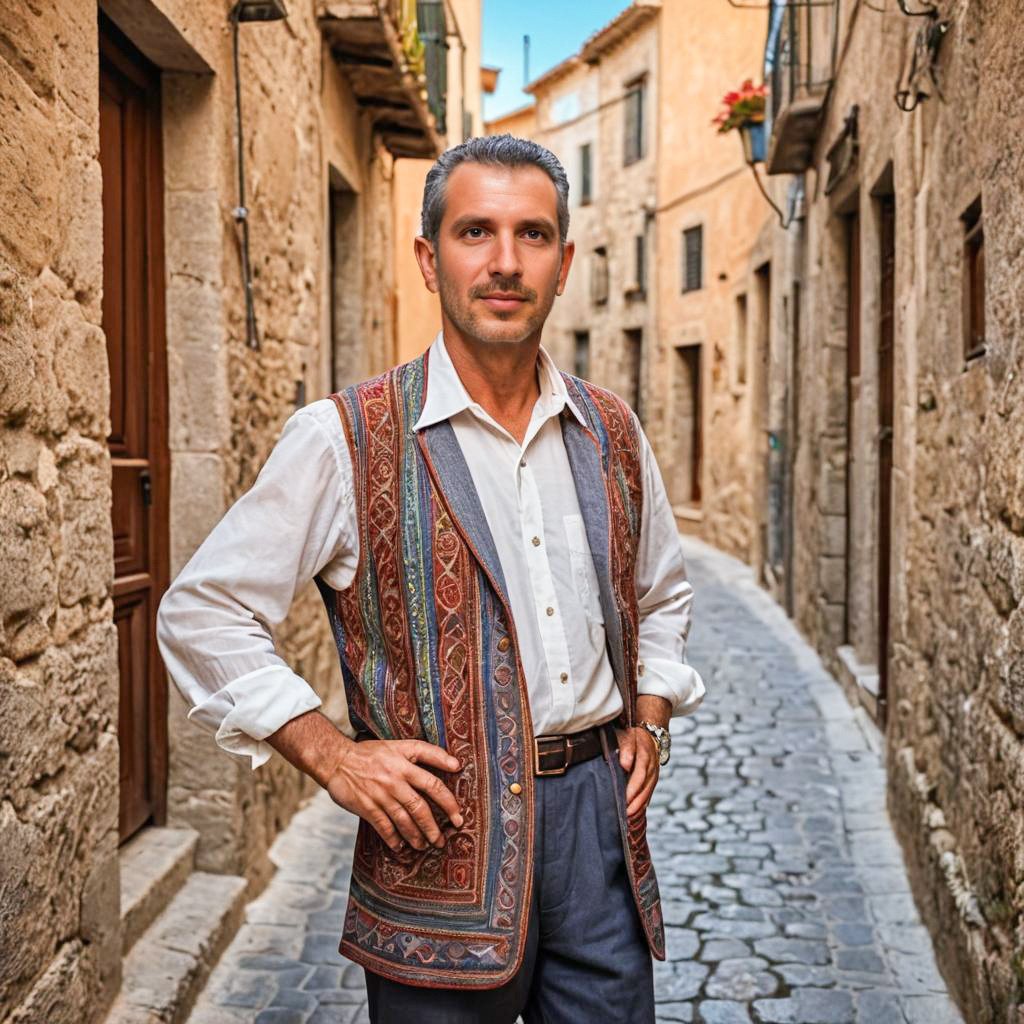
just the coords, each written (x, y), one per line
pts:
(501, 378)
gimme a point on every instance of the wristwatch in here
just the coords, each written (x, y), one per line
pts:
(662, 738)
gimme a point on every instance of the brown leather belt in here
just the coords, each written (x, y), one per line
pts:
(552, 755)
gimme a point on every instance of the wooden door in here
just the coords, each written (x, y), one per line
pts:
(133, 320)
(886, 340)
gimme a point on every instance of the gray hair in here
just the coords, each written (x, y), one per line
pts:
(499, 151)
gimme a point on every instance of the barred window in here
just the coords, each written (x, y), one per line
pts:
(586, 174)
(634, 122)
(974, 281)
(599, 276)
(693, 259)
(581, 354)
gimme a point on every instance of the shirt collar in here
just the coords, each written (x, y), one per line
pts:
(446, 395)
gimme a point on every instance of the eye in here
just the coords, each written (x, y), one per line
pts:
(474, 232)
(535, 235)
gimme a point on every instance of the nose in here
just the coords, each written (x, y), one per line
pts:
(504, 261)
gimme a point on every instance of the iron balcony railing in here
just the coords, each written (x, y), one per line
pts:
(433, 32)
(800, 55)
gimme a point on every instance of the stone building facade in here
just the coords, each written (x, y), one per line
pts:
(664, 216)
(138, 398)
(894, 324)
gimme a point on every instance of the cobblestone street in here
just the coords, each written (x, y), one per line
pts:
(784, 890)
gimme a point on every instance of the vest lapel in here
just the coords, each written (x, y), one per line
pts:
(451, 474)
(588, 475)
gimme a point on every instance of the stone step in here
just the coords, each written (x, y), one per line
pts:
(154, 866)
(169, 964)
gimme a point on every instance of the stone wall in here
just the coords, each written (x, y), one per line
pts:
(955, 726)
(60, 941)
(59, 873)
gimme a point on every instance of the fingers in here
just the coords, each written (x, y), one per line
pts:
(421, 752)
(433, 787)
(413, 819)
(641, 780)
(627, 749)
(396, 804)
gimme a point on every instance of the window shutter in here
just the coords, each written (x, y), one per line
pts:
(633, 124)
(693, 259)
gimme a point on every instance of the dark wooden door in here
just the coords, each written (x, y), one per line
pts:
(133, 320)
(886, 341)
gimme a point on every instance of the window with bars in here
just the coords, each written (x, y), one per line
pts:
(974, 281)
(586, 174)
(581, 354)
(740, 340)
(633, 126)
(599, 276)
(693, 259)
(638, 285)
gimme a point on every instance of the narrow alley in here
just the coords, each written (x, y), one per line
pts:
(784, 891)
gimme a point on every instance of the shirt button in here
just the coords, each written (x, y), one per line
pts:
(504, 643)
(515, 788)
(522, 463)
(640, 669)
(551, 611)
(564, 677)
(536, 542)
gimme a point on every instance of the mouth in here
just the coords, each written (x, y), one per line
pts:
(504, 301)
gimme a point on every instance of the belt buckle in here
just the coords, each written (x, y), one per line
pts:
(537, 770)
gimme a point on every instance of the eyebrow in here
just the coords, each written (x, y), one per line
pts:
(531, 224)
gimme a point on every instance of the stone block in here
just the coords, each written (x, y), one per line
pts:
(49, 849)
(78, 254)
(17, 360)
(832, 579)
(833, 535)
(191, 126)
(30, 169)
(82, 372)
(197, 502)
(87, 542)
(196, 366)
(154, 865)
(64, 993)
(28, 578)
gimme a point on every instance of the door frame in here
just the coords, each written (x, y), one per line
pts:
(117, 51)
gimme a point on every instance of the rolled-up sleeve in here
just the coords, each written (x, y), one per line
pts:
(665, 597)
(214, 624)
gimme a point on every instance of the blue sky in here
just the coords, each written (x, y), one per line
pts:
(557, 28)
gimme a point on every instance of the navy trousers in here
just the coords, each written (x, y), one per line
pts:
(586, 958)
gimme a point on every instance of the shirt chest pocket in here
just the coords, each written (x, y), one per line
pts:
(584, 576)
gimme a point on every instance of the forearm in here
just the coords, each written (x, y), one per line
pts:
(313, 744)
(656, 710)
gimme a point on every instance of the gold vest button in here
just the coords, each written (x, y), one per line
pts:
(515, 788)
(504, 643)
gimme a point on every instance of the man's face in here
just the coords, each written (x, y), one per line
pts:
(498, 263)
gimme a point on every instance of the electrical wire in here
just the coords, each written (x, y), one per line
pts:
(241, 214)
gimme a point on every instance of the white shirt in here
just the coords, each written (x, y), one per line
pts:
(299, 519)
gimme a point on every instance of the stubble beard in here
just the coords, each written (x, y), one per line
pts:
(504, 329)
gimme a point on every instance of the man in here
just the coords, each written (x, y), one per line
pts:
(504, 580)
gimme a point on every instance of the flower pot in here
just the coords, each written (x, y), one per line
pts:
(752, 135)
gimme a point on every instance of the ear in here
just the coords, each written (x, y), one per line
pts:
(568, 251)
(427, 260)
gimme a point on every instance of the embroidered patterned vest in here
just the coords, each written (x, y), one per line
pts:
(428, 651)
